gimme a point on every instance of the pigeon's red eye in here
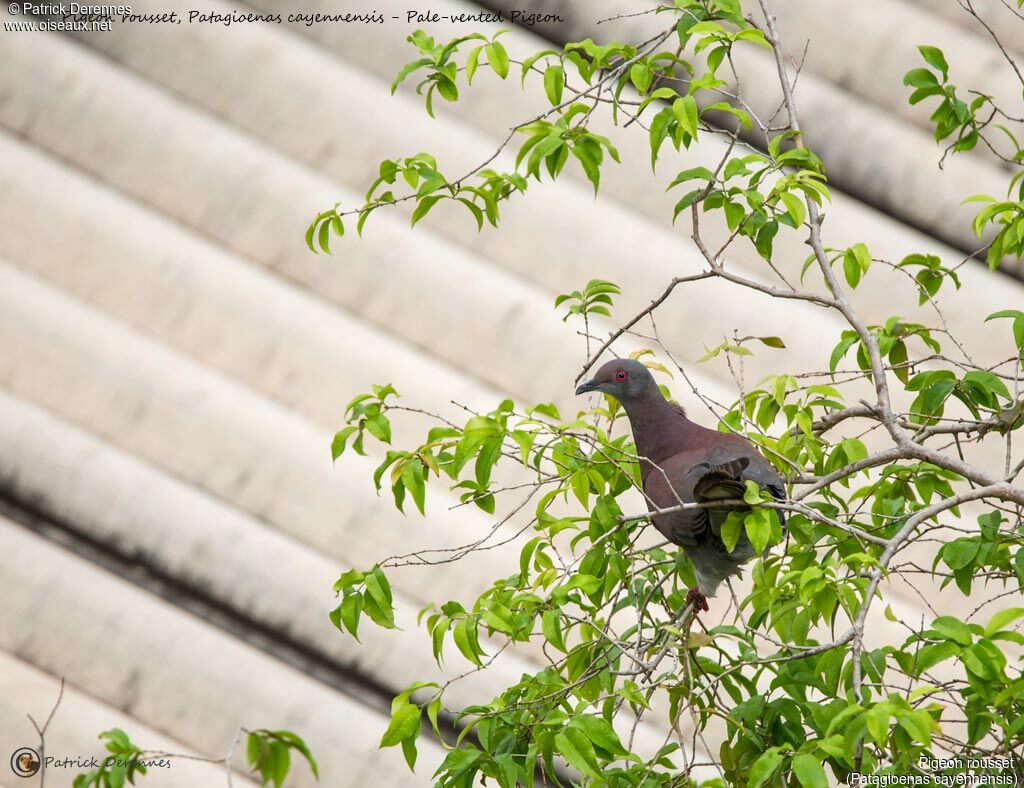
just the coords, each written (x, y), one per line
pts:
(621, 375)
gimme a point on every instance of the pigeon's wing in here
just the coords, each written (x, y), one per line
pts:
(723, 481)
(698, 530)
(720, 482)
(716, 471)
(666, 486)
(680, 481)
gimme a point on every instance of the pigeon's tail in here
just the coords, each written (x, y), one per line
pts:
(722, 482)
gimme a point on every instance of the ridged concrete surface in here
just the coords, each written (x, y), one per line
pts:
(114, 648)
(73, 733)
(173, 361)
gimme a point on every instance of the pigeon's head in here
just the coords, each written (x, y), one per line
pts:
(623, 378)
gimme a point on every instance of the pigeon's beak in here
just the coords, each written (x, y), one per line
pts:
(590, 385)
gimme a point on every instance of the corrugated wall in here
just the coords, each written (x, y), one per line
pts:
(173, 361)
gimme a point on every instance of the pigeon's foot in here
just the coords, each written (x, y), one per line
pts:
(700, 602)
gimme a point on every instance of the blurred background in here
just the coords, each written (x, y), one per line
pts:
(174, 361)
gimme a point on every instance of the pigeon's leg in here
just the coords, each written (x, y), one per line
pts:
(699, 601)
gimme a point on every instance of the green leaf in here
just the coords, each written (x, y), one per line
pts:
(424, 206)
(979, 663)
(854, 449)
(953, 629)
(658, 94)
(1014, 313)
(734, 215)
(1018, 324)
(497, 620)
(921, 94)
(795, 207)
(920, 78)
(117, 741)
(960, 553)
(347, 613)
(999, 621)
(573, 745)
(898, 359)
(531, 60)
(764, 767)
(592, 168)
(685, 111)
(932, 655)
(377, 601)
(601, 733)
(862, 256)
(297, 743)
(449, 90)
(323, 237)
(764, 239)
(933, 57)
(415, 483)
(731, 530)
(409, 68)
(478, 214)
(752, 492)
(849, 340)
(379, 427)
(554, 83)
(990, 385)
(471, 63)
(702, 173)
(409, 752)
(269, 756)
(586, 583)
(856, 262)
(378, 586)
(465, 635)
(116, 776)
(705, 27)
(918, 724)
(809, 771)
(660, 128)
(877, 720)
(433, 709)
(497, 57)
(758, 525)
(347, 579)
(405, 723)
(640, 76)
(935, 395)
(551, 624)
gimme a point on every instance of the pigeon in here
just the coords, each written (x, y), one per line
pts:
(683, 461)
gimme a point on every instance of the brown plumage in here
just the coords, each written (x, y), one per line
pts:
(683, 461)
